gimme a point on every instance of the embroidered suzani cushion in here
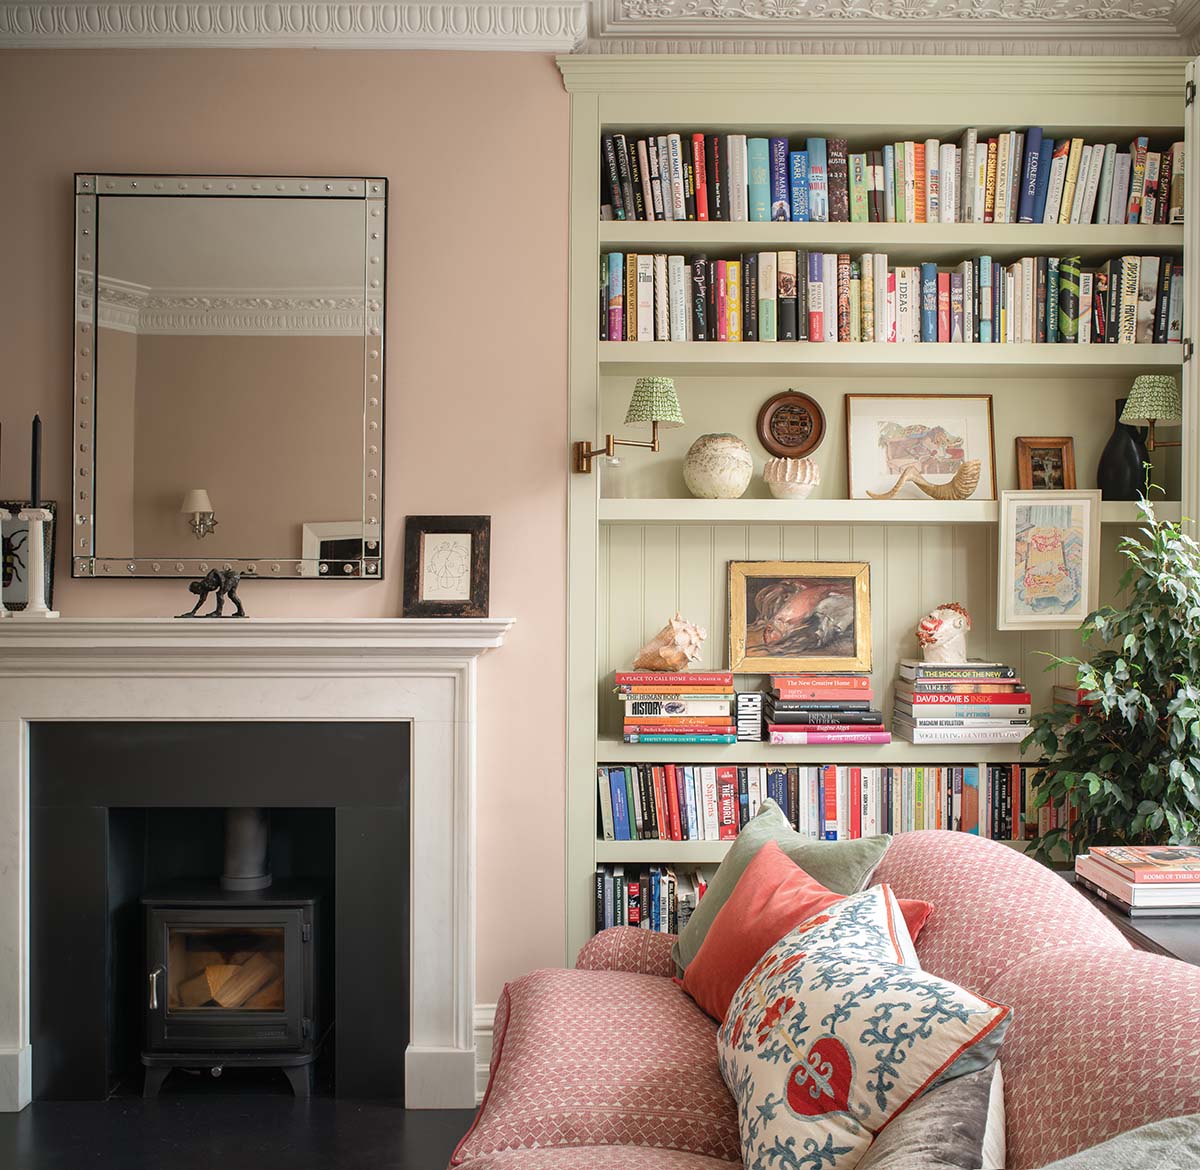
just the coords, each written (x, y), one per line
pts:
(837, 1030)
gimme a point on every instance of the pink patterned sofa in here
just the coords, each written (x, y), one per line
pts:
(612, 1067)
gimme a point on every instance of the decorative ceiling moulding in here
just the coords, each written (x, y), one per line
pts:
(1033, 27)
(544, 26)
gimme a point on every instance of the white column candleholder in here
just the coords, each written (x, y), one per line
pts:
(4, 613)
(36, 608)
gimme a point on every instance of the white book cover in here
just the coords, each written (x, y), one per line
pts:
(1011, 285)
(1085, 163)
(966, 195)
(768, 319)
(708, 802)
(1152, 193)
(880, 282)
(1091, 187)
(980, 193)
(738, 195)
(968, 302)
(754, 789)
(910, 182)
(1147, 298)
(948, 189)
(1175, 206)
(1016, 158)
(958, 183)
(675, 169)
(904, 306)
(1175, 306)
(645, 297)
(933, 180)
(604, 789)
(689, 323)
(829, 280)
(1086, 285)
(1000, 211)
(1028, 298)
(1119, 199)
(662, 299)
(1054, 186)
(1104, 190)
(664, 176)
(843, 797)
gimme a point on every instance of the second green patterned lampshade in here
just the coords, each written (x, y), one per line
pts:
(1153, 398)
(654, 400)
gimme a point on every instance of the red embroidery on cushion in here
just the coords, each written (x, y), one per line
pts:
(821, 1084)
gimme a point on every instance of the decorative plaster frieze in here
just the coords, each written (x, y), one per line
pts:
(533, 25)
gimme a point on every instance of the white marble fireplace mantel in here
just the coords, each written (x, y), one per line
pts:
(410, 669)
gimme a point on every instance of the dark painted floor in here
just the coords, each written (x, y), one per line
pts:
(218, 1132)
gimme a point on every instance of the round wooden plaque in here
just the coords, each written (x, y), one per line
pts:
(791, 424)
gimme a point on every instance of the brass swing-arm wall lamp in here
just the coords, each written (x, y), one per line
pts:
(1154, 398)
(654, 401)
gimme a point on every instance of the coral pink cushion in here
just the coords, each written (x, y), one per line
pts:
(598, 1058)
(772, 897)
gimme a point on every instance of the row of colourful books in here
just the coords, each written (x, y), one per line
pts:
(971, 702)
(815, 709)
(714, 802)
(651, 897)
(1017, 176)
(676, 707)
(1144, 881)
(836, 297)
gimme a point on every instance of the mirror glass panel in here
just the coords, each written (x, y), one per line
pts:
(237, 370)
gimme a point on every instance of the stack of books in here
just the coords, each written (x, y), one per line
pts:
(971, 702)
(823, 709)
(654, 898)
(1144, 881)
(750, 716)
(682, 707)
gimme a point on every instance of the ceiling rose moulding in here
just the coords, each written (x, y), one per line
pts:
(545, 26)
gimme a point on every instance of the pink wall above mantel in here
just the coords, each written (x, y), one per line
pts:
(475, 148)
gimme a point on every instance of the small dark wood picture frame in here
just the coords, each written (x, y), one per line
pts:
(791, 424)
(1046, 463)
(446, 577)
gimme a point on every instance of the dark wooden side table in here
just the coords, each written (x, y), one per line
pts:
(1177, 938)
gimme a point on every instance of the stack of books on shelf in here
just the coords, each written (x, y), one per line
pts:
(750, 716)
(1017, 176)
(653, 898)
(682, 707)
(837, 297)
(972, 702)
(1144, 881)
(823, 709)
(684, 802)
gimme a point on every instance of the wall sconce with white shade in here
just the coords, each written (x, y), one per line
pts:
(654, 401)
(197, 505)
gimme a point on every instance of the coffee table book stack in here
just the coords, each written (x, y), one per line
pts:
(971, 702)
(656, 550)
(1144, 881)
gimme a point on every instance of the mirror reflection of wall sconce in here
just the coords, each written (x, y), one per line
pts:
(197, 505)
(654, 401)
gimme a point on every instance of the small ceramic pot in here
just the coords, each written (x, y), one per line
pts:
(718, 467)
(791, 479)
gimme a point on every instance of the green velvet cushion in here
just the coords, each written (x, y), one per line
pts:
(844, 867)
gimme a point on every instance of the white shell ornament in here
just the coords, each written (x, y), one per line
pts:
(942, 634)
(791, 479)
(673, 647)
(718, 467)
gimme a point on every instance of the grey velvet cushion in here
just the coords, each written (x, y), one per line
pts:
(956, 1126)
(1173, 1144)
(844, 867)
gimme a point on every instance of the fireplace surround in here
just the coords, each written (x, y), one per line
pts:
(419, 671)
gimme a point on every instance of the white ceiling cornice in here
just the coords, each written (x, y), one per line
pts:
(531, 25)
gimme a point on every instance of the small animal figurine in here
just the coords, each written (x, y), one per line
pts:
(224, 583)
(673, 647)
(960, 487)
(942, 634)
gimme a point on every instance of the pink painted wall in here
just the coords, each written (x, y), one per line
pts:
(476, 419)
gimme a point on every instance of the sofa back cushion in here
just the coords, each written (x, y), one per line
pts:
(996, 906)
(1102, 1040)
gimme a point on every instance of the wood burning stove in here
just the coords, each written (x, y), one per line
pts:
(231, 981)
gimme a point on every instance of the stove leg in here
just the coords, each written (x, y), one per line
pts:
(300, 1078)
(155, 1075)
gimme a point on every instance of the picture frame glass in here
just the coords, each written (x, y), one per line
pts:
(934, 434)
(445, 566)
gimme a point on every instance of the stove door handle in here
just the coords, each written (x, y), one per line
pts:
(154, 988)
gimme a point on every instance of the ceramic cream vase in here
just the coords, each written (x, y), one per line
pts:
(791, 479)
(718, 467)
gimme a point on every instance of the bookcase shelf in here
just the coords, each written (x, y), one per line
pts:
(899, 752)
(690, 511)
(648, 852)
(880, 359)
(905, 242)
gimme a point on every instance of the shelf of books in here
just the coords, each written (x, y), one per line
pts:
(846, 228)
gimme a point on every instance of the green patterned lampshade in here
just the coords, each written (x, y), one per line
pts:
(654, 400)
(1154, 398)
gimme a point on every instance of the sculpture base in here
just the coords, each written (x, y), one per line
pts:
(32, 615)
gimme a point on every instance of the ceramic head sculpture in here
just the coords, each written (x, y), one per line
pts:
(943, 633)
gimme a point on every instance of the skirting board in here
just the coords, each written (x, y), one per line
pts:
(485, 1013)
(16, 1079)
(439, 1078)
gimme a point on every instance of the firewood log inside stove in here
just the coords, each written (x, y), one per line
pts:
(250, 977)
(269, 999)
(202, 988)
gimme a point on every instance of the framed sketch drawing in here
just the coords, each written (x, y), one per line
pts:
(931, 434)
(15, 553)
(1049, 559)
(446, 566)
(799, 615)
(1046, 463)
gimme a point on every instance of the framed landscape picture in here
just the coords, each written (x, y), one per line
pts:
(1049, 559)
(931, 434)
(1046, 463)
(799, 615)
(446, 566)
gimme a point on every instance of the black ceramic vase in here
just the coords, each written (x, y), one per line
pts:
(1121, 474)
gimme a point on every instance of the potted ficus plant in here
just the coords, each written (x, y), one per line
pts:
(1128, 757)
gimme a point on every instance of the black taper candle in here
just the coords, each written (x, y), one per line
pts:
(35, 464)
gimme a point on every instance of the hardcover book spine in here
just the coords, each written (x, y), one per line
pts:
(933, 181)
(859, 192)
(986, 306)
(750, 296)
(1068, 298)
(631, 296)
(956, 306)
(801, 296)
(1029, 179)
(700, 173)
(767, 291)
(1000, 196)
(675, 171)
(1128, 300)
(677, 298)
(1119, 198)
(722, 300)
(1091, 188)
(1085, 308)
(1042, 185)
(758, 158)
(616, 296)
(855, 301)
(614, 176)
(700, 298)
(640, 206)
(839, 180)
(1015, 155)
(943, 307)
(868, 297)
(727, 803)
(1150, 187)
(1162, 308)
(818, 184)
(662, 299)
(738, 194)
(966, 197)
(948, 183)
(626, 175)
(1166, 161)
(1057, 179)
(643, 167)
(1175, 307)
(664, 169)
(645, 297)
(603, 298)
(1085, 166)
(843, 296)
(781, 203)
(919, 209)
(1147, 293)
(733, 299)
(714, 167)
(989, 188)
(1138, 150)
(889, 184)
(689, 180)
(1100, 298)
(1104, 190)
(799, 183)
(786, 286)
(655, 172)
(829, 278)
(1039, 300)
(1175, 206)
(1052, 300)
(816, 297)
(929, 302)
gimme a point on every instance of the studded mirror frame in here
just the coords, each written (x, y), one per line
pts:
(372, 193)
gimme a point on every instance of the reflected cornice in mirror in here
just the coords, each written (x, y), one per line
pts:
(229, 332)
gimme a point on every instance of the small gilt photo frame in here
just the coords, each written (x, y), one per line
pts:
(446, 566)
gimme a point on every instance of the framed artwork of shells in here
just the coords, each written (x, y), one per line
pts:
(446, 566)
(1049, 559)
(799, 615)
(791, 424)
(920, 438)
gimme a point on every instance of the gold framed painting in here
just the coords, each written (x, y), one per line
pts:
(799, 616)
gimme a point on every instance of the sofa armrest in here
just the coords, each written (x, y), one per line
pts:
(628, 948)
